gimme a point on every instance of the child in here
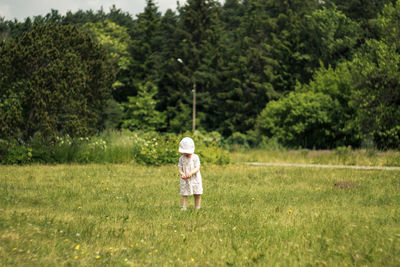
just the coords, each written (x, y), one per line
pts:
(189, 170)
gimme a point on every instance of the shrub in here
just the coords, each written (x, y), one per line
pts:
(149, 148)
(302, 119)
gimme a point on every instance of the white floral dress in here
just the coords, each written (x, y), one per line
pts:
(192, 185)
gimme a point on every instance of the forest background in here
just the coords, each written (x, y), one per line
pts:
(297, 74)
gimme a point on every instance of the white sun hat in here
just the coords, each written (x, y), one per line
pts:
(186, 146)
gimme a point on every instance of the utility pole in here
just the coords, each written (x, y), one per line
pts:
(194, 106)
(194, 97)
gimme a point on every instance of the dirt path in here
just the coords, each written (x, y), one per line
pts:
(322, 166)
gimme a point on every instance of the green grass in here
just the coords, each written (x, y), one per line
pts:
(340, 156)
(119, 215)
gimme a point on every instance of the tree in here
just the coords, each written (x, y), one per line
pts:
(360, 10)
(331, 38)
(388, 23)
(301, 119)
(145, 48)
(140, 112)
(264, 57)
(337, 83)
(54, 81)
(116, 40)
(198, 31)
(363, 12)
(376, 96)
(376, 70)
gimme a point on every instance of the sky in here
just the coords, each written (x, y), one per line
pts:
(20, 9)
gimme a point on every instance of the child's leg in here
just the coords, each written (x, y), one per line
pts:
(184, 202)
(197, 201)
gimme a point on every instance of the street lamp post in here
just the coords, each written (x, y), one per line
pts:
(194, 98)
(194, 106)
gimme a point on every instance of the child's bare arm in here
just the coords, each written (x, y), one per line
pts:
(181, 173)
(194, 171)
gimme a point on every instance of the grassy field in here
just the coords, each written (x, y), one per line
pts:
(340, 156)
(124, 215)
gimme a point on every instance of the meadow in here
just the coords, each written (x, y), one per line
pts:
(129, 215)
(338, 156)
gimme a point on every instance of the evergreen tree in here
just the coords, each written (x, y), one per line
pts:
(364, 12)
(199, 32)
(140, 112)
(54, 81)
(144, 47)
(330, 37)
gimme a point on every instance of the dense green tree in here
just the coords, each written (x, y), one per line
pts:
(12, 29)
(364, 12)
(4, 31)
(240, 56)
(145, 48)
(360, 10)
(376, 70)
(169, 68)
(264, 58)
(140, 112)
(116, 40)
(247, 82)
(301, 119)
(330, 37)
(54, 81)
(198, 31)
(388, 25)
(231, 14)
(120, 17)
(81, 17)
(337, 83)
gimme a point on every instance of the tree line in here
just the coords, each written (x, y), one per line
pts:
(313, 74)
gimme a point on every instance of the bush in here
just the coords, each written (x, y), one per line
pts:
(238, 139)
(150, 148)
(14, 153)
(302, 119)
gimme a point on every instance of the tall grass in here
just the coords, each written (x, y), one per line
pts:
(112, 147)
(124, 214)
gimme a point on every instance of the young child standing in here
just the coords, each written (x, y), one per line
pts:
(189, 170)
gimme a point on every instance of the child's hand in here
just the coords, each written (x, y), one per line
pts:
(186, 176)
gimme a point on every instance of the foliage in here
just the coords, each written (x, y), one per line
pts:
(240, 55)
(53, 81)
(238, 138)
(116, 40)
(388, 25)
(112, 115)
(337, 83)
(140, 112)
(301, 120)
(149, 148)
(144, 50)
(331, 37)
(376, 96)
